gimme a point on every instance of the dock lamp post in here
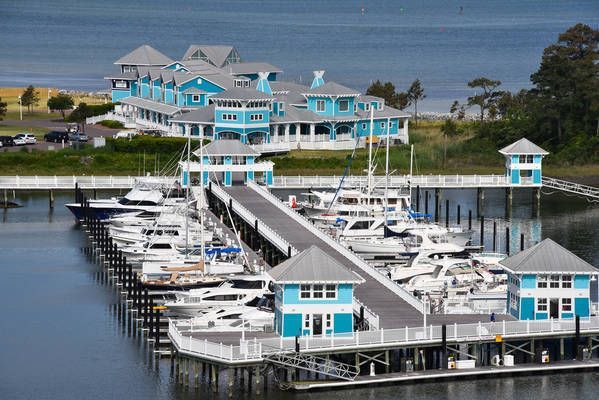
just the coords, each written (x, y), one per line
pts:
(20, 109)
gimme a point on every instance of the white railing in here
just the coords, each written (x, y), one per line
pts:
(278, 147)
(250, 218)
(325, 145)
(457, 181)
(257, 349)
(351, 256)
(84, 182)
(571, 187)
(370, 316)
(110, 116)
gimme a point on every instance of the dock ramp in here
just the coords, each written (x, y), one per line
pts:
(589, 192)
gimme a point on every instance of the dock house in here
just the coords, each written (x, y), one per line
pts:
(548, 281)
(523, 161)
(226, 161)
(313, 295)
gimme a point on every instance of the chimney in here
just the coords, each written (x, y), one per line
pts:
(318, 81)
(263, 85)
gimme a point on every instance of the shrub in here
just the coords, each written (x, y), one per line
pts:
(109, 123)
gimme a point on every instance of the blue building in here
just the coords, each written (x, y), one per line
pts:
(548, 281)
(523, 161)
(226, 161)
(210, 91)
(313, 295)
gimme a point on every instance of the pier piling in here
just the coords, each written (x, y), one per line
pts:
(459, 215)
(469, 220)
(494, 235)
(482, 232)
(446, 213)
(507, 240)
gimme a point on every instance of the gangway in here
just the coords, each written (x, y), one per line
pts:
(320, 365)
(589, 192)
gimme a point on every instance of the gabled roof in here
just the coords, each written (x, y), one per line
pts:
(332, 89)
(144, 55)
(291, 87)
(251, 68)
(216, 54)
(547, 257)
(126, 76)
(296, 114)
(242, 94)
(227, 147)
(313, 265)
(209, 72)
(386, 112)
(201, 115)
(369, 98)
(523, 146)
(151, 105)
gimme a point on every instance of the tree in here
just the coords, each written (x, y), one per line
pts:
(3, 106)
(387, 92)
(458, 110)
(61, 102)
(487, 97)
(80, 113)
(450, 128)
(566, 86)
(415, 94)
(30, 98)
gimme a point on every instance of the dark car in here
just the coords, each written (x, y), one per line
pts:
(7, 141)
(56, 137)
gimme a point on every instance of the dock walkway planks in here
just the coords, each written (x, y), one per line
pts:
(394, 312)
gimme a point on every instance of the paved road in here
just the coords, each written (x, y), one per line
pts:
(55, 125)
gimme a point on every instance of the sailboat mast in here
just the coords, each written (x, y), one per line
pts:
(387, 171)
(187, 185)
(201, 200)
(370, 153)
(411, 170)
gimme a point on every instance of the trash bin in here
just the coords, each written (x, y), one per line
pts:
(407, 364)
(508, 360)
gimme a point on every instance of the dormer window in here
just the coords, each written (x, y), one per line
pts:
(242, 83)
(379, 105)
(367, 106)
(343, 105)
(246, 84)
(382, 125)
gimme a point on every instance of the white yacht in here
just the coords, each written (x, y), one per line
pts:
(238, 318)
(235, 292)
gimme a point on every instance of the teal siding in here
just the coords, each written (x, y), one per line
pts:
(292, 324)
(527, 308)
(515, 176)
(343, 323)
(536, 176)
(529, 282)
(566, 315)
(117, 95)
(581, 281)
(542, 315)
(581, 306)
(363, 127)
(344, 295)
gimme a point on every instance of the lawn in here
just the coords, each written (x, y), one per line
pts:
(10, 96)
(11, 130)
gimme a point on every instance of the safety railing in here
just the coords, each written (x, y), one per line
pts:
(351, 256)
(257, 349)
(251, 219)
(457, 181)
(571, 187)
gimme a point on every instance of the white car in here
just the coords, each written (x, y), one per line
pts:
(28, 137)
(124, 134)
(19, 141)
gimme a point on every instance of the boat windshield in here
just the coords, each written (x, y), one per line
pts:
(243, 284)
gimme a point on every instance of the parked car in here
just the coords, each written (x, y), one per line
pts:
(72, 127)
(7, 140)
(78, 137)
(29, 137)
(19, 141)
(56, 137)
(126, 134)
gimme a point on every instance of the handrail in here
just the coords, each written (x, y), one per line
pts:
(250, 218)
(350, 255)
(571, 187)
(257, 349)
(370, 316)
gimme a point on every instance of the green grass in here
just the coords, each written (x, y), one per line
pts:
(11, 130)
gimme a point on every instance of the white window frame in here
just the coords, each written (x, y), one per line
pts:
(554, 283)
(567, 281)
(364, 125)
(195, 98)
(328, 321)
(542, 304)
(366, 106)
(120, 84)
(308, 322)
(317, 291)
(383, 125)
(566, 305)
(246, 84)
(330, 288)
(379, 105)
(282, 106)
(542, 282)
(320, 103)
(305, 289)
(345, 109)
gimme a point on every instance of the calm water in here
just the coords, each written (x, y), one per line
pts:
(63, 338)
(72, 43)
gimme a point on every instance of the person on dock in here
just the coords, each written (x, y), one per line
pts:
(492, 317)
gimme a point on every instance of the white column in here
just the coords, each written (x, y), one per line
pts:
(287, 133)
(201, 130)
(187, 130)
(405, 130)
(312, 133)
(298, 132)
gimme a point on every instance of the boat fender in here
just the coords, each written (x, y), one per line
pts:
(496, 361)
(271, 286)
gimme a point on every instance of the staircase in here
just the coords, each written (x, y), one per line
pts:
(589, 192)
(324, 366)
